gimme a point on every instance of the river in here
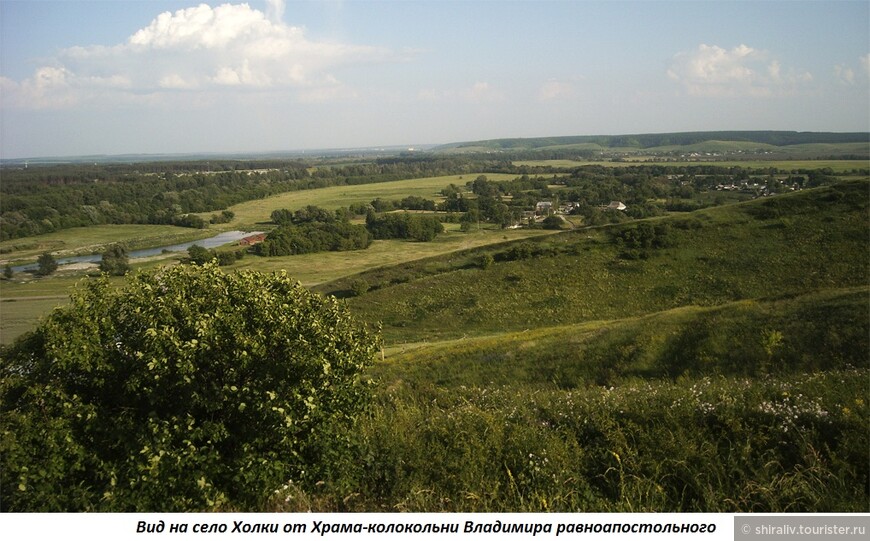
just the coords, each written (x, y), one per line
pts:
(213, 242)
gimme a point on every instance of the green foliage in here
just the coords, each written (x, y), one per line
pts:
(226, 258)
(553, 222)
(359, 287)
(46, 264)
(185, 389)
(199, 255)
(486, 261)
(311, 237)
(224, 217)
(7, 271)
(404, 226)
(189, 220)
(115, 260)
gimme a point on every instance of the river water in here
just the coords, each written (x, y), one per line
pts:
(218, 240)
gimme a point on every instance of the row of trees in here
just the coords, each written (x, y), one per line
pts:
(314, 229)
(404, 226)
(310, 237)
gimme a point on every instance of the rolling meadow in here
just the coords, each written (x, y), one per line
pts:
(706, 360)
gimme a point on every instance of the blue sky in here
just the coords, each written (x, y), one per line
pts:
(133, 76)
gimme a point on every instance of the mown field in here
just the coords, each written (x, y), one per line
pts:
(257, 212)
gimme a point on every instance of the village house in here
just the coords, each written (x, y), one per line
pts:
(544, 208)
(616, 205)
(253, 239)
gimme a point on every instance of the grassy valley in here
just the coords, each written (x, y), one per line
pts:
(703, 350)
(726, 372)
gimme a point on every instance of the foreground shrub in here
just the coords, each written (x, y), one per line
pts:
(187, 389)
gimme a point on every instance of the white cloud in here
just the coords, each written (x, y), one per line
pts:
(231, 46)
(275, 9)
(711, 70)
(49, 88)
(844, 74)
(554, 90)
(481, 92)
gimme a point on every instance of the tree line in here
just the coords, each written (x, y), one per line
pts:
(314, 229)
(41, 200)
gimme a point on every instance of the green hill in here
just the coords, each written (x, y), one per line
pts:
(713, 361)
(784, 245)
(649, 140)
(823, 330)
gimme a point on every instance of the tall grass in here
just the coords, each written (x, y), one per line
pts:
(795, 443)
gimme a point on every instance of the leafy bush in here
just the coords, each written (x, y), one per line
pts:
(187, 389)
(359, 287)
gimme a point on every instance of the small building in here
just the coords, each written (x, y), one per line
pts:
(616, 205)
(544, 207)
(253, 239)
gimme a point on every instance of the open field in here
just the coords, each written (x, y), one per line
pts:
(314, 269)
(257, 212)
(20, 316)
(838, 166)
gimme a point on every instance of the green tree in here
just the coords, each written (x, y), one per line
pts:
(186, 389)
(552, 222)
(115, 260)
(46, 264)
(199, 255)
(7, 271)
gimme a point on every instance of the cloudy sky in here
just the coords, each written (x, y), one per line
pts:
(134, 76)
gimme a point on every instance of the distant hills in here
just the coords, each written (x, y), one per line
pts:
(798, 145)
(653, 140)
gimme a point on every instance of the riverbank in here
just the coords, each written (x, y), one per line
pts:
(75, 262)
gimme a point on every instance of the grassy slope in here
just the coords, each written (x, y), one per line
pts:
(783, 245)
(735, 378)
(820, 331)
